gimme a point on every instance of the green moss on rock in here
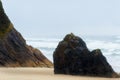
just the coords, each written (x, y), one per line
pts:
(0, 5)
(5, 24)
(69, 37)
(5, 31)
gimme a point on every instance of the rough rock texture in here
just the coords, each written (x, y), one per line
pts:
(13, 49)
(73, 57)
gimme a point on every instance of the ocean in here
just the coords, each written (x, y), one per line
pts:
(109, 45)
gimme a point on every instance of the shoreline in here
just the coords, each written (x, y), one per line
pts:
(41, 73)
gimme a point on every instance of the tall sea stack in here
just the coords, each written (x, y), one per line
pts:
(14, 52)
(73, 57)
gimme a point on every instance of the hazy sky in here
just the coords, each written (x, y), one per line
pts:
(59, 17)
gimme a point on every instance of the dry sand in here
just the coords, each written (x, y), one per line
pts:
(40, 74)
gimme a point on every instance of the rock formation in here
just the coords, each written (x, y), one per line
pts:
(14, 52)
(73, 57)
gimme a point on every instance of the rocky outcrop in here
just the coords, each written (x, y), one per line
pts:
(73, 57)
(14, 52)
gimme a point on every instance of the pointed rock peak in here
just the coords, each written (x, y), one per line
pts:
(5, 24)
(73, 40)
(97, 52)
(69, 37)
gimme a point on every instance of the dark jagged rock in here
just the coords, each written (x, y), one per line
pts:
(14, 52)
(73, 57)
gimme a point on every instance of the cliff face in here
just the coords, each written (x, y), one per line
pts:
(14, 52)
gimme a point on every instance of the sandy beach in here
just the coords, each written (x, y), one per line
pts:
(40, 74)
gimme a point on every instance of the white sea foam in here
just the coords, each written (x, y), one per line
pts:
(43, 39)
(108, 48)
(44, 44)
